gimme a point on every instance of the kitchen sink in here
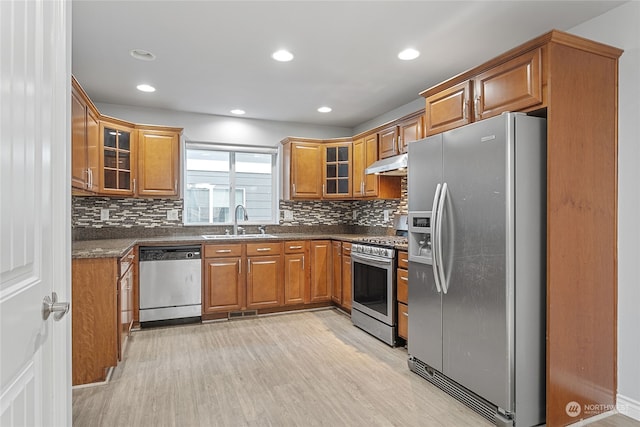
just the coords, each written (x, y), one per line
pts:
(233, 236)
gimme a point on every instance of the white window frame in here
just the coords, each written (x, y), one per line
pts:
(232, 150)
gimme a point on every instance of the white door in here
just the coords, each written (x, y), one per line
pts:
(35, 355)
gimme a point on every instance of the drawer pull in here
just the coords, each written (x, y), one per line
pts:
(406, 313)
(406, 279)
(263, 249)
(295, 247)
(223, 251)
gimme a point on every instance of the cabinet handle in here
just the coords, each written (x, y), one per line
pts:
(263, 249)
(398, 146)
(406, 279)
(404, 313)
(295, 247)
(223, 251)
(134, 186)
(240, 267)
(303, 262)
(323, 193)
(248, 266)
(294, 188)
(476, 106)
(362, 188)
(175, 186)
(465, 108)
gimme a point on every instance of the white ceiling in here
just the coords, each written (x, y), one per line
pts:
(213, 56)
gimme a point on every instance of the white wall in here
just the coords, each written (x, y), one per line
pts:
(396, 113)
(221, 129)
(620, 27)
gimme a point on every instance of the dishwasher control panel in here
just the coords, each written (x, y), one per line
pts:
(167, 253)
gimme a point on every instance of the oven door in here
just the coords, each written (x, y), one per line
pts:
(373, 286)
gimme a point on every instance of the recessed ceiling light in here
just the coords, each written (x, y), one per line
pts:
(282, 55)
(146, 88)
(408, 54)
(324, 109)
(142, 54)
(237, 111)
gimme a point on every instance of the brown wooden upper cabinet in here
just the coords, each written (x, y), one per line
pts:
(302, 174)
(365, 152)
(158, 162)
(410, 130)
(448, 108)
(514, 85)
(117, 161)
(388, 142)
(85, 140)
(143, 161)
(113, 157)
(317, 169)
(336, 175)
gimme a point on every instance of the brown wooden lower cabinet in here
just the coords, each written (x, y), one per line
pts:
(224, 284)
(95, 318)
(320, 271)
(346, 276)
(336, 269)
(264, 282)
(402, 294)
(125, 290)
(296, 272)
(403, 320)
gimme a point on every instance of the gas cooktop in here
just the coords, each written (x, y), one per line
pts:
(387, 241)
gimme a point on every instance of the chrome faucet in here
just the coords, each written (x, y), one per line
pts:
(235, 219)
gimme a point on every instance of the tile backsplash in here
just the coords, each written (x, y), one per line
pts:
(152, 213)
(124, 212)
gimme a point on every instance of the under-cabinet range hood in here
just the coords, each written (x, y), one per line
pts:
(396, 165)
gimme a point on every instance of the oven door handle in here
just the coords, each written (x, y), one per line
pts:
(369, 260)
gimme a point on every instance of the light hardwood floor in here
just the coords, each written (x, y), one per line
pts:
(300, 369)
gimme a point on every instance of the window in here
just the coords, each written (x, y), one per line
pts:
(218, 178)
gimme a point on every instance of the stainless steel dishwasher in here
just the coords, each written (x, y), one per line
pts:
(170, 284)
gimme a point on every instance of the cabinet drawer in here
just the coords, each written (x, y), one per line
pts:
(403, 321)
(295, 247)
(346, 249)
(403, 286)
(403, 259)
(216, 251)
(265, 248)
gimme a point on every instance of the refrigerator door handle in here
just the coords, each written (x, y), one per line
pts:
(434, 218)
(439, 266)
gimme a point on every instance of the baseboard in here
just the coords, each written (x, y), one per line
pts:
(629, 407)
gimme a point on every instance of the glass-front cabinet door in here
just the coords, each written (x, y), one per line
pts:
(118, 162)
(337, 170)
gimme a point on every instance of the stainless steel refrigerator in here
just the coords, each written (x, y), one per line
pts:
(477, 301)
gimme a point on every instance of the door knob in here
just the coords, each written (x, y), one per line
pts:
(51, 305)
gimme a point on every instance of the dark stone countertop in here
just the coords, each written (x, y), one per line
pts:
(115, 248)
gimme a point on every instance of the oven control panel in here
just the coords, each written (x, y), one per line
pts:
(373, 250)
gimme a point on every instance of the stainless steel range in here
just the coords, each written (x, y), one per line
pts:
(373, 273)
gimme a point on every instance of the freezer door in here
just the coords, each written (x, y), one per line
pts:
(476, 348)
(424, 172)
(425, 316)
(425, 309)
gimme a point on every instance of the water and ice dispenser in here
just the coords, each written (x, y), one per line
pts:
(420, 237)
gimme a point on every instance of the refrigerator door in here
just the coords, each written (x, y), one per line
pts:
(475, 332)
(425, 301)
